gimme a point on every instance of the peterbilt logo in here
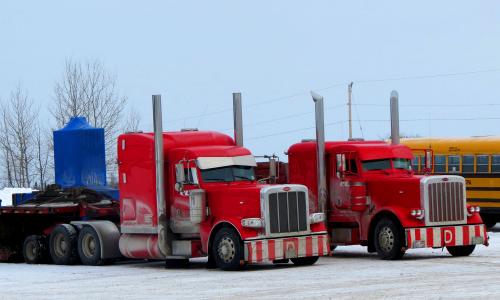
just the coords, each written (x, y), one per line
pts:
(444, 179)
(286, 188)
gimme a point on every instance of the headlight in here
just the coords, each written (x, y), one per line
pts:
(316, 218)
(472, 210)
(417, 213)
(252, 222)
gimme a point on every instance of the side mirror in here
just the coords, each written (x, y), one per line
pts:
(180, 176)
(341, 163)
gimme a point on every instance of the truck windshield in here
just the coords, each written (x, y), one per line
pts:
(229, 173)
(378, 164)
(385, 164)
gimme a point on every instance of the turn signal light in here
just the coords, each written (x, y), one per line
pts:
(417, 213)
(252, 223)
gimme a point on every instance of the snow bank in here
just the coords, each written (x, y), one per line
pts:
(6, 194)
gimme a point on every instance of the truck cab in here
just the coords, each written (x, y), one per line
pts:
(214, 206)
(375, 199)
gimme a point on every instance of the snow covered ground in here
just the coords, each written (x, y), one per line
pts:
(350, 273)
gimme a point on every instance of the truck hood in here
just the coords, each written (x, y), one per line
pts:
(402, 191)
(234, 199)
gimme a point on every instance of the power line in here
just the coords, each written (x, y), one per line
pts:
(339, 84)
(372, 120)
(292, 131)
(286, 117)
(432, 105)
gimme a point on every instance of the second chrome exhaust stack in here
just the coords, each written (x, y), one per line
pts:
(320, 150)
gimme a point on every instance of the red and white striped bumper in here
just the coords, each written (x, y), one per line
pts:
(438, 237)
(257, 251)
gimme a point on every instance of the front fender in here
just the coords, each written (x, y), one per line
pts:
(209, 229)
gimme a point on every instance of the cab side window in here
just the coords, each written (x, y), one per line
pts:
(351, 166)
(439, 164)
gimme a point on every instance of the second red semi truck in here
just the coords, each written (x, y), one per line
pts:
(372, 197)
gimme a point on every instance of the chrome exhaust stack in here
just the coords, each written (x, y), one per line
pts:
(238, 119)
(320, 151)
(394, 118)
(164, 243)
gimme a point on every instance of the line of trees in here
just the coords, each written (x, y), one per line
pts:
(26, 146)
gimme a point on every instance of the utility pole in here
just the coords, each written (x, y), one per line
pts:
(349, 104)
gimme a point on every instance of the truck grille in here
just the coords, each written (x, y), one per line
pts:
(446, 202)
(288, 212)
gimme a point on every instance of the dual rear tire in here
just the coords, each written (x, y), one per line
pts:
(65, 246)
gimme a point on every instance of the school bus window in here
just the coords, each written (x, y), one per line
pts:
(439, 164)
(453, 164)
(415, 163)
(482, 164)
(468, 164)
(495, 163)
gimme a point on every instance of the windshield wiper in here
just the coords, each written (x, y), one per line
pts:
(242, 177)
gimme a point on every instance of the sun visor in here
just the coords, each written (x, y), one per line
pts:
(219, 162)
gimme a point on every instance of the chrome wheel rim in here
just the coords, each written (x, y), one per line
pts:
(386, 239)
(60, 245)
(88, 245)
(226, 250)
(31, 250)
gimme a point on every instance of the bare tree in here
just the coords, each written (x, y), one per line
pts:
(87, 89)
(132, 121)
(18, 135)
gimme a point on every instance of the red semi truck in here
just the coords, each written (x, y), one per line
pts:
(190, 194)
(373, 198)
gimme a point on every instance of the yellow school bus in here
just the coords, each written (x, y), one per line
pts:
(475, 158)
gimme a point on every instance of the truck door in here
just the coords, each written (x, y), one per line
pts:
(344, 170)
(180, 206)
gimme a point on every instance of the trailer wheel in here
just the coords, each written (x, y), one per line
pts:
(305, 261)
(461, 250)
(34, 250)
(63, 245)
(89, 247)
(227, 249)
(389, 240)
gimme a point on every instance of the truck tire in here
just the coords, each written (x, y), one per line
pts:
(89, 247)
(227, 249)
(305, 261)
(389, 240)
(63, 245)
(461, 250)
(34, 250)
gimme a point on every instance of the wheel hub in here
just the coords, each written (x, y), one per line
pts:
(226, 249)
(386, 239)
(88, 245)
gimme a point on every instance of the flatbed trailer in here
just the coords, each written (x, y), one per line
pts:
(25, 229)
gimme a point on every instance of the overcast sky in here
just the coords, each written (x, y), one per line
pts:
(196, 53)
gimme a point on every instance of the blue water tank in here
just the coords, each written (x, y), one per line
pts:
(79, 155)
